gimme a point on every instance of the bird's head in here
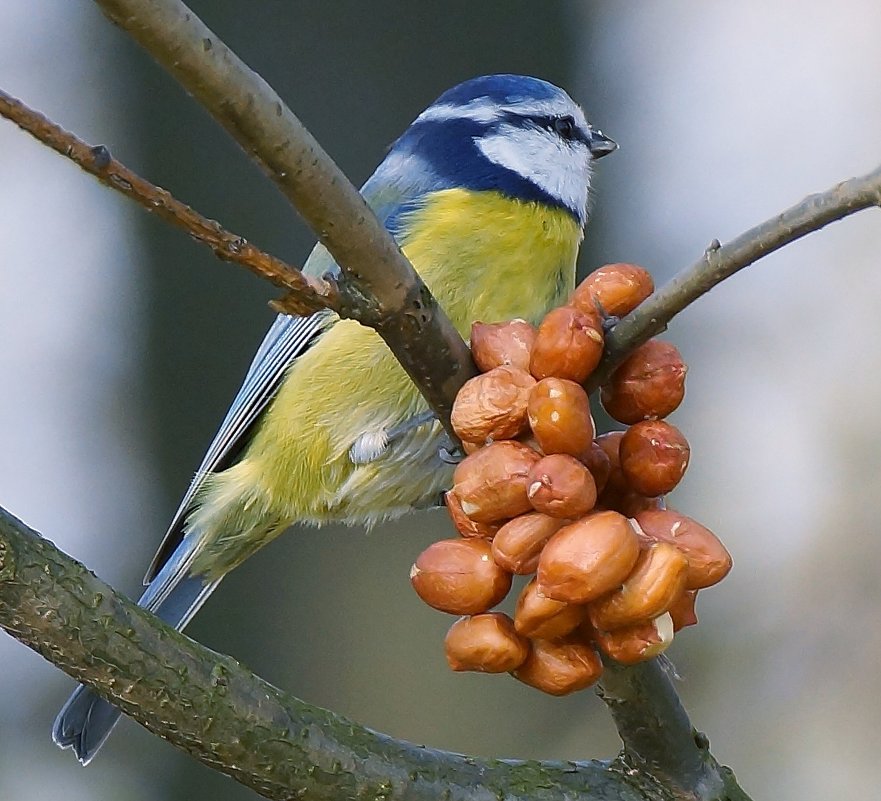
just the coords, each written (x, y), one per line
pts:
(521, 136)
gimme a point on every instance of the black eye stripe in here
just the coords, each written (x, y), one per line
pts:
(563, 126)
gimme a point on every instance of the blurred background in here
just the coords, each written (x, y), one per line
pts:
(122, 343)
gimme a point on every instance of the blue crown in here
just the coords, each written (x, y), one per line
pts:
(499, 89)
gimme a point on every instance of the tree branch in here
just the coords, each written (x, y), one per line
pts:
(657, 735)
(651, 722)
(304, 294)
(722, 261)
(210, 706)
(378, 287)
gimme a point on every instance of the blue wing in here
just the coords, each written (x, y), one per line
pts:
(286, 339)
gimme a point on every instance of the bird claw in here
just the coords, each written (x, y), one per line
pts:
(609, 322)
(449, 453)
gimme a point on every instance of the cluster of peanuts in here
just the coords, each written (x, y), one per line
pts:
(616, 572)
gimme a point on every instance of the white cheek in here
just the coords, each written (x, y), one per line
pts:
(561, 169)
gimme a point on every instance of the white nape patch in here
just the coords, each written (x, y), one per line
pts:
(480, 110)
(484, 110)
(369, 447)
(560, 168)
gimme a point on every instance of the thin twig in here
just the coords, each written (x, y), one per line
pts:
(303, 294)
(722, 261)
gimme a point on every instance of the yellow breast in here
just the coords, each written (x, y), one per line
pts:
(484, 257)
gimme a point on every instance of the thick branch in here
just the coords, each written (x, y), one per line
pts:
(212, 707)
(722, 261)
(379, 287)
(304, 294)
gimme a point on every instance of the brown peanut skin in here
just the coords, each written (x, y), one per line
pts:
(560, 667)
(568, 344)
(617, 494)
(654, 456)
(708, 559)
(491, 483)
(492, 405)
(464, 524)
(459, 576)
(683, 610)
(561, 486)
(597, 461)
(617, 289)
(632, 644)
(588, 558)
(657, 580)
(497, 344)
(559, 416)
(650, 383)
(518, 544)
(610, 443)
(537, 616)
(487, 643)
(629, 503)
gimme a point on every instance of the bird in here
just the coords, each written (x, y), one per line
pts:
(487, 194)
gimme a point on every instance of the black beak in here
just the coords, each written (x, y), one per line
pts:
(599, 144)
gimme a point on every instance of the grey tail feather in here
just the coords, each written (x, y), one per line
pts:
(86, 720)
(84, 723)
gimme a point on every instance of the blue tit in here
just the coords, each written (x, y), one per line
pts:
(486, 193)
